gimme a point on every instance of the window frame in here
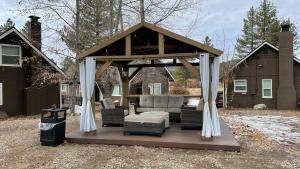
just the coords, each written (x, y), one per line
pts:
(240, 91)
(61, 88)
(120, 90)
(1, 94)
(154, 88)
(20, 55)
(263, 88)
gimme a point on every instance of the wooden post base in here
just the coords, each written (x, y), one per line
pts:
(90, 133)
(206, 138)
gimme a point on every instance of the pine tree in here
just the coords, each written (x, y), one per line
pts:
(94, 24)
(267, 23)
(8, 24)
(208, 41)
(262, 25)
(293, 29)
(249, 40)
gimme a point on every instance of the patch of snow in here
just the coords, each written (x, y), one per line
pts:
(284, 130)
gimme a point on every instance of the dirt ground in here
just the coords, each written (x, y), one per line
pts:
(20, 148)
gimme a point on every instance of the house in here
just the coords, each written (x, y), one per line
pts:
(151, 80)
(268, 75)
(18, 95)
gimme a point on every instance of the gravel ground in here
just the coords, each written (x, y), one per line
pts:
(20, 148)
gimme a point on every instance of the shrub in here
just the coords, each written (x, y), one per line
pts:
(179, 91)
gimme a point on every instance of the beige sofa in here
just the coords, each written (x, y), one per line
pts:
(171, 104)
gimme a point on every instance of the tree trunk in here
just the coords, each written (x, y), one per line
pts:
(142, 10)
(111, 5)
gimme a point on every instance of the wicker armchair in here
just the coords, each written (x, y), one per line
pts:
(111, 115)
(191, 119)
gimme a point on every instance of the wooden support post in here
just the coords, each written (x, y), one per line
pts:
(125, 83)
(195, 71)
(161, 44)
(128, 45)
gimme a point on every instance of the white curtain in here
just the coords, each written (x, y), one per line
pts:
(214, 87)
(204, 71)
(83, 94)
(89, 120)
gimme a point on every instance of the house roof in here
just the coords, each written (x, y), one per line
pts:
(143, 61)
(25, 39)
(258, 48)
(155, 28)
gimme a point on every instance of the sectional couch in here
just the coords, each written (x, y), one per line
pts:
(171, 104)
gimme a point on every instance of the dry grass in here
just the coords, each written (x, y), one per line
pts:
(20, 148)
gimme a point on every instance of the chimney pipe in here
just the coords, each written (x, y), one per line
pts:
(34, 31)
(286, 93)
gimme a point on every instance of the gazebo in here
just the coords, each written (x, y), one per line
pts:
(149, 42)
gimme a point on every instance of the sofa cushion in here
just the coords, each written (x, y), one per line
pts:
(159, 109)
(161, 101)
(144, 119)
(173, 110)
(108, 104)
(146, 101)
(175, 101)
(144, 109)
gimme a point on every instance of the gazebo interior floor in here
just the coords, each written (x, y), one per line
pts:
(173, 137)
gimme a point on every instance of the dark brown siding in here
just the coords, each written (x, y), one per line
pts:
(17, 99)
(297, 79)
(41, 98)
(13, 84)
(261, 65)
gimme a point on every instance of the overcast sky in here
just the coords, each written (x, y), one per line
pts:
(219, 19)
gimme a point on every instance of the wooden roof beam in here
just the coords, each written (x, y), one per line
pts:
(195, 71)
(146, 57)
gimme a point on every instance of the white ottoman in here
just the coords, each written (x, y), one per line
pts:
(163, 114)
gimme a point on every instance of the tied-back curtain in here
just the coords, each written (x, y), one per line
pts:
(214, 87)
(89, 123)
(83, 93)
(204, 71)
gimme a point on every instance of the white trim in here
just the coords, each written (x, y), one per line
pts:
(20, 55)
(262, 89)
(240, 91)
(32, 46)
(120, 90)
(260, 46)
(159, 84)
(170, 73)
(66, 88)
(251, 53)
(1, 94)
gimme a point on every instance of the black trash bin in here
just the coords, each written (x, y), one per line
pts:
(53, 127)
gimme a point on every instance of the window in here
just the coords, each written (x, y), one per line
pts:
(78, 91)
(64, 87)
(117, 90)
(157, 88)
(10, 55)
(267, 88)
(240, 86)
(1, 94)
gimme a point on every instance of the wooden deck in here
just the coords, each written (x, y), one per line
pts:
(174, 137)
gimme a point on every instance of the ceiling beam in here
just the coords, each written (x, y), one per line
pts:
(146, 57)
(103, 68)
(195, 71)
(160, 65)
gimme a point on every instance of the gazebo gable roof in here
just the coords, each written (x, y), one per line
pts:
(119, 36)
